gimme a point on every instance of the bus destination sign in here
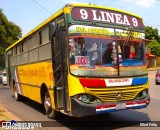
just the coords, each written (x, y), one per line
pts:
(106, 16)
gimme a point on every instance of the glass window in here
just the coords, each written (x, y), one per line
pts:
(33, 55)
(45, 49)
(45, 35)
(25, 46)
(158, 71)
(4, 74)
(96, 51)
(88, 53)
(14, 51)
(18, 49)
(33, 41)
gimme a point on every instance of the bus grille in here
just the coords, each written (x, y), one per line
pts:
(109, 94)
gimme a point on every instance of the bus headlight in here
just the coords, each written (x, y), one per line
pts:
(86, 98)
(142, 94)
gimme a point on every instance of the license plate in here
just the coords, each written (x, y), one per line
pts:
(120, 106)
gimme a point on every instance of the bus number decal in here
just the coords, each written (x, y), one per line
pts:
(106, 16)
(84, 14)
(82, 60)
(135, 22)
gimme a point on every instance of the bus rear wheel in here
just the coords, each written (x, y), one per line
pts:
(51, 113)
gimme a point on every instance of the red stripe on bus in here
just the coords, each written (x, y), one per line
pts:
(92, 83)
(136, 102)
(106, 106)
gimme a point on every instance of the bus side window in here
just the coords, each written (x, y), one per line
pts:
(73, 50)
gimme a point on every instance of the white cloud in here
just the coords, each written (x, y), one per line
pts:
(142, 3)
(146, 3)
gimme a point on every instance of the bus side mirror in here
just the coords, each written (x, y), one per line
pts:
(52, 29)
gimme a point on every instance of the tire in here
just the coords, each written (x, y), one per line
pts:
(51, 113)
(17, 96)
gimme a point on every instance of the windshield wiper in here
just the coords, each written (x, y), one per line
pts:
(128, 37)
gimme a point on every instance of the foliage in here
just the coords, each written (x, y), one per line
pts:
(155, 47)
(9, 33)
(152, 33)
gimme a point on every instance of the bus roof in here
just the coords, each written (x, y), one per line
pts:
(66, 9)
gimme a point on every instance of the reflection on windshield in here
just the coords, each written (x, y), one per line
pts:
(101, 57)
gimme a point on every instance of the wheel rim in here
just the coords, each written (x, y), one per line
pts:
(15, 94)
(47, 105)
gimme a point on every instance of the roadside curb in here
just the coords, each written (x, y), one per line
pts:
(6, 115)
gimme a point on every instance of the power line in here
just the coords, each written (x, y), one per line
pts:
(92, 1)
(99, 2)
(113, 2)
(43, 12)
(41, 6)
(108, 3)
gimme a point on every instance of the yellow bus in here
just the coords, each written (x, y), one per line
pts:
(84, 60)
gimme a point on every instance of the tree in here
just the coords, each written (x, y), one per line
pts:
(152, 34)
(9, 33)
(155, 47)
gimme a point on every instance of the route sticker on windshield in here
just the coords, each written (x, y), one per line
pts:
(82, 60)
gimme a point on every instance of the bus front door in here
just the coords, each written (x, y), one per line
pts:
(59, 47)
(8, 59)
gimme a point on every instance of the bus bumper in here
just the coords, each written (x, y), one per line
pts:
(80, 109)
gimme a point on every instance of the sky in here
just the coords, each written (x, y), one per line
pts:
(27, 14)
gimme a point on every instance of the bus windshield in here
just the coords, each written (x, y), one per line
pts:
(98, 56)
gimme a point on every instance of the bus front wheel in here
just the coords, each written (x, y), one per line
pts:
(51, 113)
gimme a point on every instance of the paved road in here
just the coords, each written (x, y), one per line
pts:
(31, 111)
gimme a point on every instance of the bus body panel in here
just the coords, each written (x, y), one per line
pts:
(80, 109)
(75, 87)
(29, 79)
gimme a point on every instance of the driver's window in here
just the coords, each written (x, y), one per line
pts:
(132, 53)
